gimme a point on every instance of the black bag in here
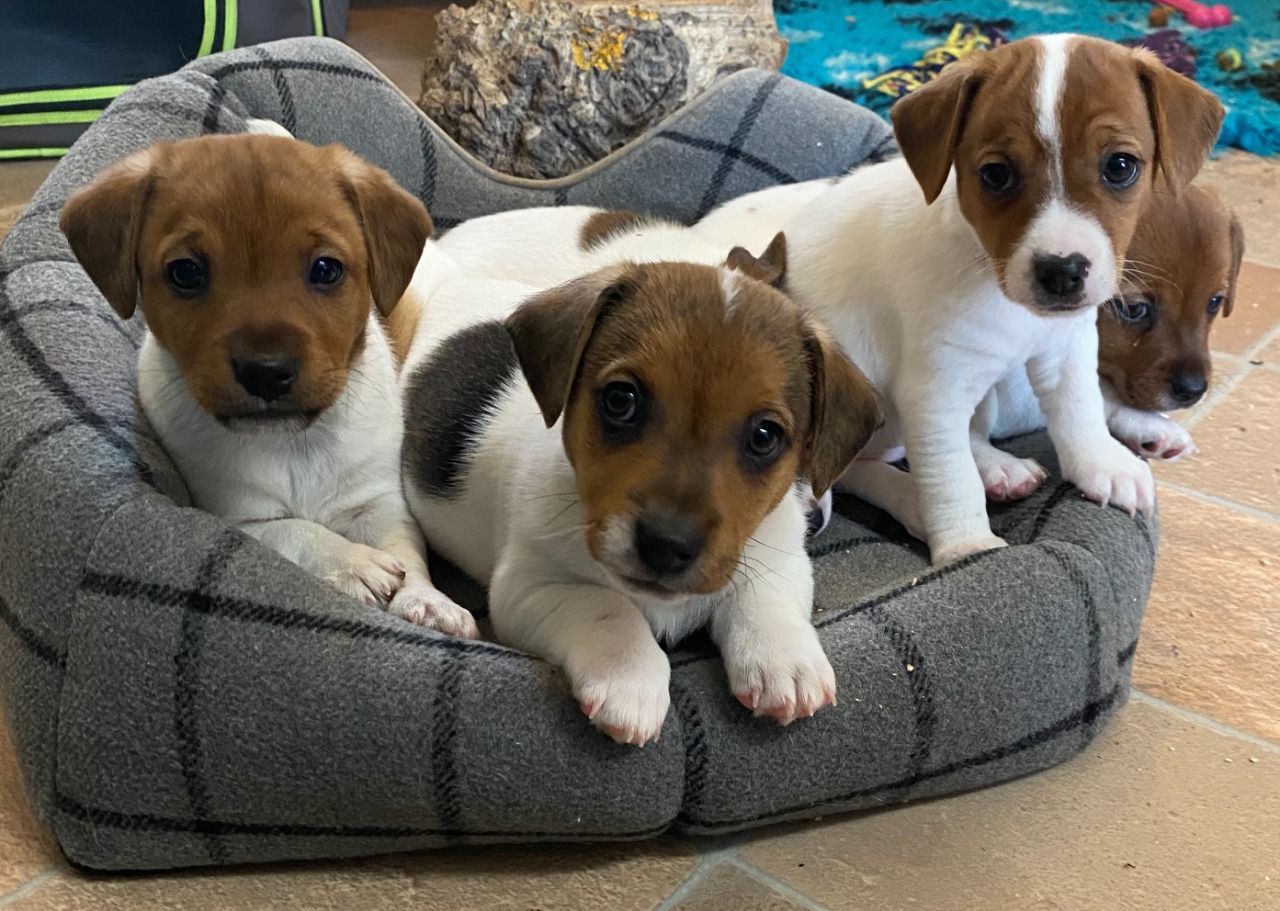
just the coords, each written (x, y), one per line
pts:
(63, 61)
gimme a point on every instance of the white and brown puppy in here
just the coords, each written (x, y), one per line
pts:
(618, 459)
(1036, 162)
(1181, 276)
(265, 268)
(1153, 352)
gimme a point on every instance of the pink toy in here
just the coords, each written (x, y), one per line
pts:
(1200, 15)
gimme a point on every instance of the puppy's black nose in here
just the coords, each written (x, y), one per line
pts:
(667, 545)
(1061, 276)
(1187, 388)
(267, 379)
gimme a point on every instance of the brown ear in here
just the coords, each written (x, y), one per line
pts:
(1185, 118)
(1237, 259)
(770, 267)
(102, 223)
(929, 121)
(845, 410)
(551, 330)
(396, 227)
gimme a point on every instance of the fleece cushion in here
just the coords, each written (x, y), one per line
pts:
(180, 695)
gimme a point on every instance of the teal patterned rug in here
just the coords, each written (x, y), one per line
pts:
(842, 45)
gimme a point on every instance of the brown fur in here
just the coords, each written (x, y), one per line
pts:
(770, 267)
(983, 110)
(1187, 250)
(257, 211)
(706, 369)
(603, 226)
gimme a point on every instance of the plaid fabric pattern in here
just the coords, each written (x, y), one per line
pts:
(180, 695)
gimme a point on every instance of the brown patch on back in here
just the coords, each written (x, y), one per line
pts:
(603, 226)
(256, 211)
(1183, 254)
(706, 369)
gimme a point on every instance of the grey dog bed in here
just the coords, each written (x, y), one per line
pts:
(180, 695)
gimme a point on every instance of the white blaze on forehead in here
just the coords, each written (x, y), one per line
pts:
(1054, 52)
(729, 285)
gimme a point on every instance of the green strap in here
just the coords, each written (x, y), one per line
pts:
(317, 16)
(210, 25)
(51, 96)
(32, 153)
(48, 117)
(229, 30)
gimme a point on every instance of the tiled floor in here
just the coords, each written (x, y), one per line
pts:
(1176, 806)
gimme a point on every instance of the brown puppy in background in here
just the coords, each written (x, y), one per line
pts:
(264, 267)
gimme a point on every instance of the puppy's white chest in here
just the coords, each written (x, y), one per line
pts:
(325, 473)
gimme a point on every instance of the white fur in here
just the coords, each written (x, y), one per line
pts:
(327, 497)
(1051, 81)
(912, 296)
(517, 526)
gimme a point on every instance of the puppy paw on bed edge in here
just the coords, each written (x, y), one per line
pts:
(421, 603)
(950, 551)
(784, 680)
(1115, 477)
(370, 575)
(629, 702)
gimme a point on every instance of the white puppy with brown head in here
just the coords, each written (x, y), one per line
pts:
(618, 461)
(269, 271)
(1035, 161)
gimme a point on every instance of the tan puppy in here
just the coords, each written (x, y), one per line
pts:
(263, 266)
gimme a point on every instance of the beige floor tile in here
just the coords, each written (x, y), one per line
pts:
(1211, 638)
(1270, 355)
(1251, 186)
(26, 848)
(19, 179)
(1257, 309)
(631, 877)
(396, 38)
(1160, 814)
(730, 889)
(1239, 440)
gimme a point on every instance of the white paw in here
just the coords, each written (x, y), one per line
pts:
(1153, 436)
(786, 678)
(1115, 477)
(950, 551)
(373, 576)
(628, 700)
(420, 602)
(1007, 477)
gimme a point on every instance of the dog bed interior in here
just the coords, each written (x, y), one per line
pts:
(180, 695)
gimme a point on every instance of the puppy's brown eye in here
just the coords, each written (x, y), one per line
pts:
(621, 406)
(1216, 303)
(998, 177)
(186, 276)
(765, 440)
(1120, 170)
(326, 271)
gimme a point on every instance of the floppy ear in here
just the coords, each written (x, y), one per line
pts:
(1185, 118)
(395, 224)
(551, 330)
(102, 223)
(1237, 258)
(845, 410)
(770, 267)
(929, 121)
